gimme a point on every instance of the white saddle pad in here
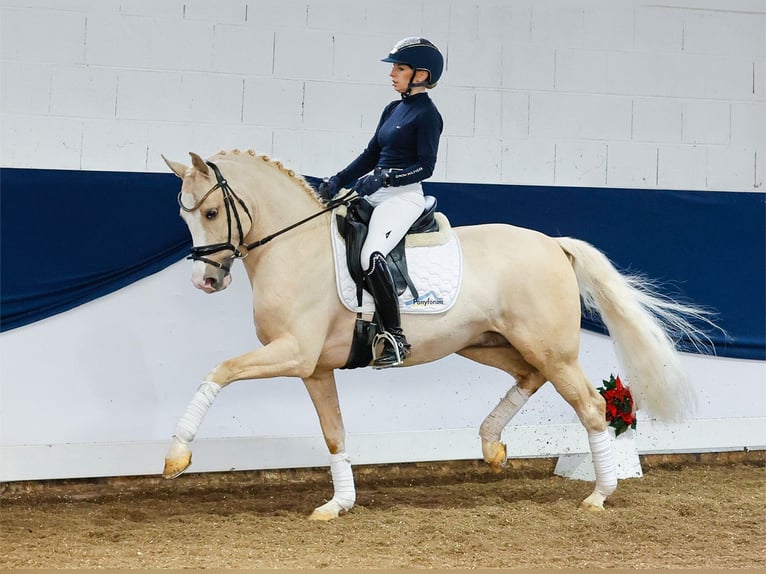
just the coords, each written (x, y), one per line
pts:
(436, 271)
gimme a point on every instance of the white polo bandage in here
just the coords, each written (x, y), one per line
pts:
(342, 480)
(603, 462)
(509, 405)
(189, 424)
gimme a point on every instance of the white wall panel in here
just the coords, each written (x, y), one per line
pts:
(182, 45)
(478, 159)
(164, 9)
(269, 102)
(225, 11)
(103, 149)
(581, 70)
(45, 36)
(608, 26)
(631, 164)
(657, 120)
(600, 70)
(681, 166)
(358, 59)
(85, 92)
(277, 13)
(475, 62)
(528, 66)
(730, 167)
(561, 23)
(458, 109)
(515, 116)
(581, 162)
(706, 122)
(25, 88)
(724, 32)
(658, 28)
(118, 41)
(529, 162)
(239, 49)
(304, 54)
(748, 124)
(581, 117)
(21, 144)
(488, 117)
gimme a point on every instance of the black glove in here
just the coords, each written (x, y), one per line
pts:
(371, 183)
(329, 188)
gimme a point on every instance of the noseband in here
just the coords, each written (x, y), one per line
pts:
(241, 250)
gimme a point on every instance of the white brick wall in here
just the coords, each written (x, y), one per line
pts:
(667, 93)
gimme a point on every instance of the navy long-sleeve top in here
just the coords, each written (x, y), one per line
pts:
(406, 140)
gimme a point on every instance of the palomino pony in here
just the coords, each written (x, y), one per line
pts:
(518, 310)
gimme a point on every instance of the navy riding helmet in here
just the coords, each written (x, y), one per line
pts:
(419, 54)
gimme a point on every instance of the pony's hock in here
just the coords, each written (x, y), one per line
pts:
(517, 310)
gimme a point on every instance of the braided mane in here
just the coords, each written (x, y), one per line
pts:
(252, 154)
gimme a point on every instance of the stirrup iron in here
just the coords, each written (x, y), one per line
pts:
(399, 351)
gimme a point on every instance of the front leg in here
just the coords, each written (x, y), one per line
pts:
(324, 394)
(281, 357)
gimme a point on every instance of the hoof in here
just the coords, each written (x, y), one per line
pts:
(328, 511)
(177, 460)
(594, 503)
(495, 455)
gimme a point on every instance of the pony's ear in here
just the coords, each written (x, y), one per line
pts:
(199, 163)
(177, 168)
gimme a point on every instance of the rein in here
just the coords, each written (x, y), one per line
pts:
(243, 249)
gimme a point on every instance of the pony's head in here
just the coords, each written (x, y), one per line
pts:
(218, 220)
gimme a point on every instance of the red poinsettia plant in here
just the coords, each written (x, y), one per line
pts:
(619, 405)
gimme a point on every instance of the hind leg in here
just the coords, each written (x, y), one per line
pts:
(589, 405)
(528, 381)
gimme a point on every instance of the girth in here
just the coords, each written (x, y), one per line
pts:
(353, 228)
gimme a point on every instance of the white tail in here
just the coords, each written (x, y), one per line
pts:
(642, 324)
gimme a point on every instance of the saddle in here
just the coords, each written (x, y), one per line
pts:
(353, 228)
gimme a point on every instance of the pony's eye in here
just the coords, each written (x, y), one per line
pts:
(211, 213)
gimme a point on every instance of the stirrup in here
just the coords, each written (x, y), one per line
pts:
(396, 354)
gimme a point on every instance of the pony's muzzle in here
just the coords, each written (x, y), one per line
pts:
(210, 279)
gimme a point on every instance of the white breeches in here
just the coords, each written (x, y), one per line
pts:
(396, 209)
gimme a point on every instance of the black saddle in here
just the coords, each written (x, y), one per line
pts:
(353, 229)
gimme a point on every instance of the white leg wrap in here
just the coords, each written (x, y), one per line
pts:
(509, 405)
(189, 424)
(603, 462)
(342, 480)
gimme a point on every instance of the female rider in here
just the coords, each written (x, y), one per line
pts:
(401, 154)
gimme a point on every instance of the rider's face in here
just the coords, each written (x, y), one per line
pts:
(401, 75)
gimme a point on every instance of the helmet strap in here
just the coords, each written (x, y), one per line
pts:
(412, 84)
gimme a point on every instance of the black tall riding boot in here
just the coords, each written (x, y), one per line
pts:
(381, 286)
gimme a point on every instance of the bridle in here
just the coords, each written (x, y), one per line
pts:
(240, 251)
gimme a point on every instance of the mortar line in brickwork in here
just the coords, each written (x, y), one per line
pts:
(242, 103)
(657, 168)
(753, 77)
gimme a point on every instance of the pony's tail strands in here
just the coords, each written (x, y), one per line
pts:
(645, 327)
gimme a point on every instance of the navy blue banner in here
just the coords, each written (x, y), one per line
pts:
(703, 247)
(68, 237)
